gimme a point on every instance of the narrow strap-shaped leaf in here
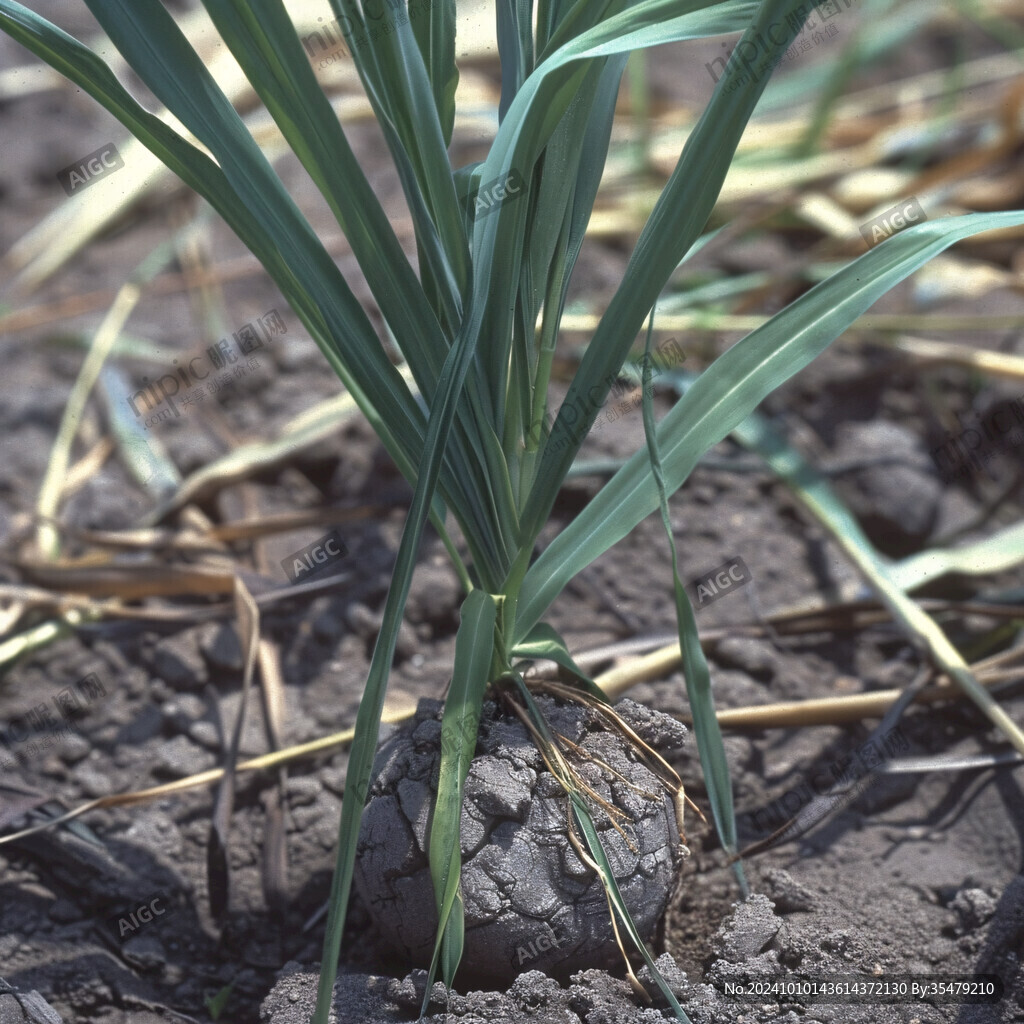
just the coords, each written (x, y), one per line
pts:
(581, 144)
(816, 493)
(679, 215)
(443, 284)
(565, 187)
(435, 34)
(263, 215)
(1003, 550)
(385, 402)
(498, 240)
(695, 666)
(367, 728)
(514, 23)
(545, 642)
(729, 390)
(153, 45)
(291, 253)
(402, 92)
(269, 52)
(548, 15)
(443, 256)
(262, 39)
(561, 21)
(586, 825)
(592, 156)
(474, 648)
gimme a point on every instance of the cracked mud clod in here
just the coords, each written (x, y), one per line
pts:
(530, 902)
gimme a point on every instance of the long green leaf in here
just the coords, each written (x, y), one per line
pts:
(290, 252)
(514, 23)
(607, 876)
(729, 390)
(561, 204)
(498, 240)
(392, 71)
(262, 39)
(400, 89)
(367, 728)
(680, 214)
(695, 666)
(997, 553)
(271, 55)
(372, 380)
(474, 648)
(435, 35)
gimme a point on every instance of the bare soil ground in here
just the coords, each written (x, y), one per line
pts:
(924, 874)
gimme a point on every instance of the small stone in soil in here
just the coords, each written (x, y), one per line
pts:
(176, 660)
(750, 927)
(896, 502)
(180, 757)
(786, 892)
(205, 734)
(220, 646)
(94, 783)
(973, 907)
(73, 747)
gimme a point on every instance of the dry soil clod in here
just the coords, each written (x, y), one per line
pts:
(531, 903)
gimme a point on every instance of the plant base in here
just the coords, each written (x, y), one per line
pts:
(530, 902)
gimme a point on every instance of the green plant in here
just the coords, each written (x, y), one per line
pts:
(215, 1004)
(478, 324)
